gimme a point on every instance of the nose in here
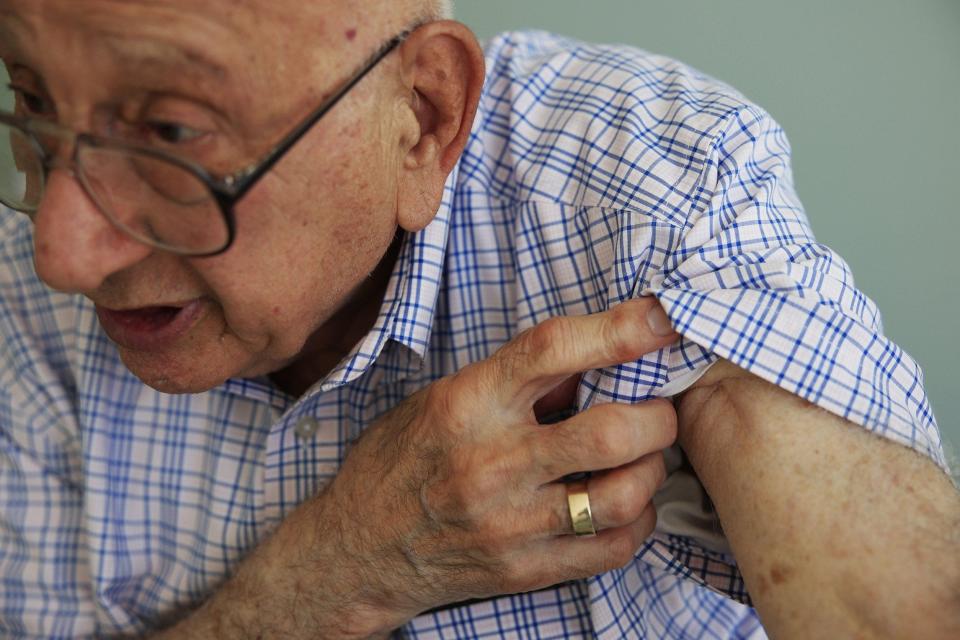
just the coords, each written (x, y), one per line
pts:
(76, 247)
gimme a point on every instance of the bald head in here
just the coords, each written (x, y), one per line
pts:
(413, 11)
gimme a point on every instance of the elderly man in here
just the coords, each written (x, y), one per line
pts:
(294, 223)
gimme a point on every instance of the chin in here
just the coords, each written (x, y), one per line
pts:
(169, 376)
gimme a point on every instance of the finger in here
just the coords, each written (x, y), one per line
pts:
(605, 436)
(564, 558)
(608, 550)
(617, 497)
(537, 360)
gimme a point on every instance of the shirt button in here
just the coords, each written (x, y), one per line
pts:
(306, 427)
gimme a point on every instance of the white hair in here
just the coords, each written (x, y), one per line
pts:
(442, 9)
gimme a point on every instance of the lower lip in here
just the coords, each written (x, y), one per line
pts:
(150, 329)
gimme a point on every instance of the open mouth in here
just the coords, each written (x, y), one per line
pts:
(150, 328)
(147, 318)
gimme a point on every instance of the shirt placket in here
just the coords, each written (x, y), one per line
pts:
(304, 451)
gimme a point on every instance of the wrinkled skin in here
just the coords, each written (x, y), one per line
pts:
(454, 494)
(327, 213)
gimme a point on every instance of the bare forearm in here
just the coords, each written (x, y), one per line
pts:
(838, 533)
(296, 584)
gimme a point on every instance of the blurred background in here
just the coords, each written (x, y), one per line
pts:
(869, 94)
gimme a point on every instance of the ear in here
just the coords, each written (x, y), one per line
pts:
(442, 73)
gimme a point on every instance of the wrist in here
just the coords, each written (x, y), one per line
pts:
(320, 565)
(296, 584)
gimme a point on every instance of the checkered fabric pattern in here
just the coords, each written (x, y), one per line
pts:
(594, 174)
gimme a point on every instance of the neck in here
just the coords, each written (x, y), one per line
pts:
(338, 335)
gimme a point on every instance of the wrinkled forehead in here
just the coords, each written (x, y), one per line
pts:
(213, 37)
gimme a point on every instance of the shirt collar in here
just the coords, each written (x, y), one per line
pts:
(405, 322)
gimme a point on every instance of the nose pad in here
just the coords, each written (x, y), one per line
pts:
(76, 246)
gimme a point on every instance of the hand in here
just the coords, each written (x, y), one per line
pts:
(455, 495)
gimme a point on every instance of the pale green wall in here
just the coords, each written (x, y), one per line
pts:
(869, 94)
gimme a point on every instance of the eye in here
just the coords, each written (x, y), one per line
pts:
(28, 103)
(168, 133)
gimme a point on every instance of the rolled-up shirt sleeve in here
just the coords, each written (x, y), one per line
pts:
(749, 283)
(742, 278)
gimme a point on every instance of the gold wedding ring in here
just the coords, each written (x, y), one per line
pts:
(579, 503)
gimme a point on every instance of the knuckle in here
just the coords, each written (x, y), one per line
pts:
(659, 473)
(605, 439)
(623, 336)
(548, 334)
(619, 552)
(623, 414)
(622, 508)
(651, 474)
(443, 400)
(646, 492)
(658, 417)
(666, 417)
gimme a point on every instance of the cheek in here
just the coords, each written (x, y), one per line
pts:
(297, 258)
(336, 195)
(308, 233)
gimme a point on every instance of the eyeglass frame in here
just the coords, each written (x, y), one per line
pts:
(228, 190)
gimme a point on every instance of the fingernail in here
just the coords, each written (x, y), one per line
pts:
(659, 322)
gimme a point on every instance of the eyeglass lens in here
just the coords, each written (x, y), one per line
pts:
(153, 199)
(21, 172)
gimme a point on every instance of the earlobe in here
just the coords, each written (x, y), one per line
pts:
(442, 68)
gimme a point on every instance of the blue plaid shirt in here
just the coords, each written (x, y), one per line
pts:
(594, 174)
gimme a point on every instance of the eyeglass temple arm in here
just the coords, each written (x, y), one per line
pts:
(242, 182)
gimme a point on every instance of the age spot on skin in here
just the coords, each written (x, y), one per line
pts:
(780, 573)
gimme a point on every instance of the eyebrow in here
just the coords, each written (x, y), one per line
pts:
(154, 55)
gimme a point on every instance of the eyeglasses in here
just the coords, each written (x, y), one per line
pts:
(155, 197)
